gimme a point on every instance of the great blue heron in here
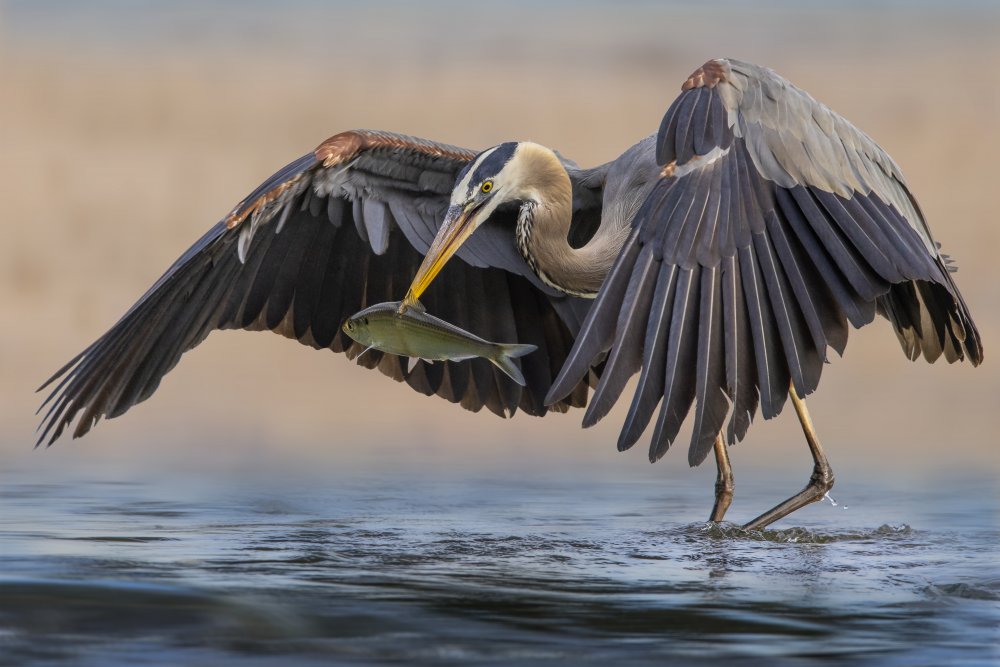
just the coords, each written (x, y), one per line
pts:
(719, 257)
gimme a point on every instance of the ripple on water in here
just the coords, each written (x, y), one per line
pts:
(989, 590)
(378, 578)
(798, 535)
(122, 539)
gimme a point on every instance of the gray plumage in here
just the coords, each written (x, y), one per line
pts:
(726, 253)
(799, 224)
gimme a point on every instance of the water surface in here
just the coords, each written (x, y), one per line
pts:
(519, 570)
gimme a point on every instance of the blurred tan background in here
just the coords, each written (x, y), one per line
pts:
(129, 128)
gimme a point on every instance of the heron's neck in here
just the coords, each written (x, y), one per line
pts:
(543, 227)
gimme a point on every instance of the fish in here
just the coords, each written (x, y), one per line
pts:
(411, 331)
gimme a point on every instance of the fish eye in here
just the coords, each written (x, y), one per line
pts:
(486, 186)
(350, 325)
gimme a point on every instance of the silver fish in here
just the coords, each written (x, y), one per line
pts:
(416, 334)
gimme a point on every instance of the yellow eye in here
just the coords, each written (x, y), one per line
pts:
(486, 186)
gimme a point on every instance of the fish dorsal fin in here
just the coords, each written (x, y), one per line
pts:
(404, 305)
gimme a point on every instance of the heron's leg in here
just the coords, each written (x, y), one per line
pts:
(820, 482)
(723, 482)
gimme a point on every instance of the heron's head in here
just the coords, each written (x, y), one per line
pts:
(510, 172)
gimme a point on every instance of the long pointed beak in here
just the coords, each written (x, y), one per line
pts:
(459, 223)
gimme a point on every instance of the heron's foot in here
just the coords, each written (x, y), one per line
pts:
(724, 488)
(819, 485)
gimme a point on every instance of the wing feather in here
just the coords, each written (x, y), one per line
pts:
(794, 269)
(778, 223)
(626, 355)
(741, 369)
(597, 331)
(683, 141)
(772, 370)
(679, 381)
(857, 310)
(650, 388)
(309, 283)
(339, 228)
(279, 301)
(698, 129)
(378, 223)
(712, 404)
(861, 276)
(804, 360)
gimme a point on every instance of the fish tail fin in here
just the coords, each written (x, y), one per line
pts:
(504, 360)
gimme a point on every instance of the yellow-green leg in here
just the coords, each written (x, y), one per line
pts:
(723, 482)
(820, 482)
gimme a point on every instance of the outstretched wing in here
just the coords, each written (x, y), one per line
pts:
(338, 229)
(774, 223)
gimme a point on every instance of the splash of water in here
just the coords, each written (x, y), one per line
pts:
(833, 502)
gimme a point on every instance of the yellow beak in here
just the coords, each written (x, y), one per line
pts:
(459, 223)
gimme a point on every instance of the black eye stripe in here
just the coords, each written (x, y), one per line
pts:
(493, 163)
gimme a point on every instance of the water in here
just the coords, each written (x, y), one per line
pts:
(507, 570)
